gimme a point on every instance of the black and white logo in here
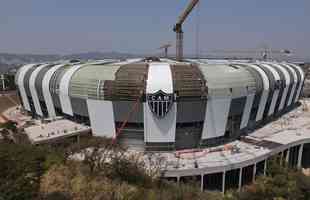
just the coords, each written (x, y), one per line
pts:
(160, 103)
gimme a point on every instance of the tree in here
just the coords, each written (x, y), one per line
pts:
(10, 125)
(21, 168)
(20, 172)
(281, 182)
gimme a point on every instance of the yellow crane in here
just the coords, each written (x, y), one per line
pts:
(179, 31)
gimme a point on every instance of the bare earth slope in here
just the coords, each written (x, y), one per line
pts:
(8, 101)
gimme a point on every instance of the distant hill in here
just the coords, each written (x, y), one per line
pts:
(10, 61)
(18, 59)
(5, 67)
(99, 55)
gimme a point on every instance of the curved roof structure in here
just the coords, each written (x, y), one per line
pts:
(162, 104)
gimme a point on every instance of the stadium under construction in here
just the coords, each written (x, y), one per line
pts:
(173, 108)
(202, 116)
(166, 105)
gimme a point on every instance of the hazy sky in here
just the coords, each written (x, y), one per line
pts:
(138, 26)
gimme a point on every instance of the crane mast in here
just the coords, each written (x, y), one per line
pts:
(178, 29)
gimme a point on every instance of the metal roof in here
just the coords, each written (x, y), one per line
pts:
(84, 83)
(222, 78)
(225, 78)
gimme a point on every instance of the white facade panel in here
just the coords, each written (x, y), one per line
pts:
(159, 129)
(287, 84)
(247, 111)
(64, 90)
(301, 81)
(159, 78)
(265, 93)
(273, 102)
(216, 117)
(276, 91)
(290, 100)
(46, 90)
(33, 90)
(101, 118)
(21, 85)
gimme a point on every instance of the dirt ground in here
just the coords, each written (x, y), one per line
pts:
(8, 101)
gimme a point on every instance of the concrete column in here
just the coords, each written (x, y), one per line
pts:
(78, 139)
(265, 167)
(240, 179)
(201, 182)
(254, 172)
(281, 158)
(287, 155)
(300, 156)
(178, 180)
(223, 184)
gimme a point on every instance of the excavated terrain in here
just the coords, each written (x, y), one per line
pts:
(7, 101)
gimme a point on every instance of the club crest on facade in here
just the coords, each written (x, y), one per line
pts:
(160, 103)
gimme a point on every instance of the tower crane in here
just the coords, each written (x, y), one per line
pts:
(165, 47)
(178, 29)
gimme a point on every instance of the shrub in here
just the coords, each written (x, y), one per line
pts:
(20, 171)
(281, 182)
(21, 168)
(10, 125)
(70, 181)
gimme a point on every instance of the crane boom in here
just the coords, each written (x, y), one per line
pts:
(178, 29)
(187, 11)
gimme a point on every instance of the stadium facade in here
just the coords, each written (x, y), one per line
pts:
(162, 105)
(201, 116)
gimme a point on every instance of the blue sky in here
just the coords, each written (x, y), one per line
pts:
(138, 26)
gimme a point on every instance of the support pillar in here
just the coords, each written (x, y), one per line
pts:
(223, 183)
(78, 139)
(201, 182)
(254, 173)
(265, 167)
(287, 155)
(240, 179)
(281, 158)
(300, 156)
